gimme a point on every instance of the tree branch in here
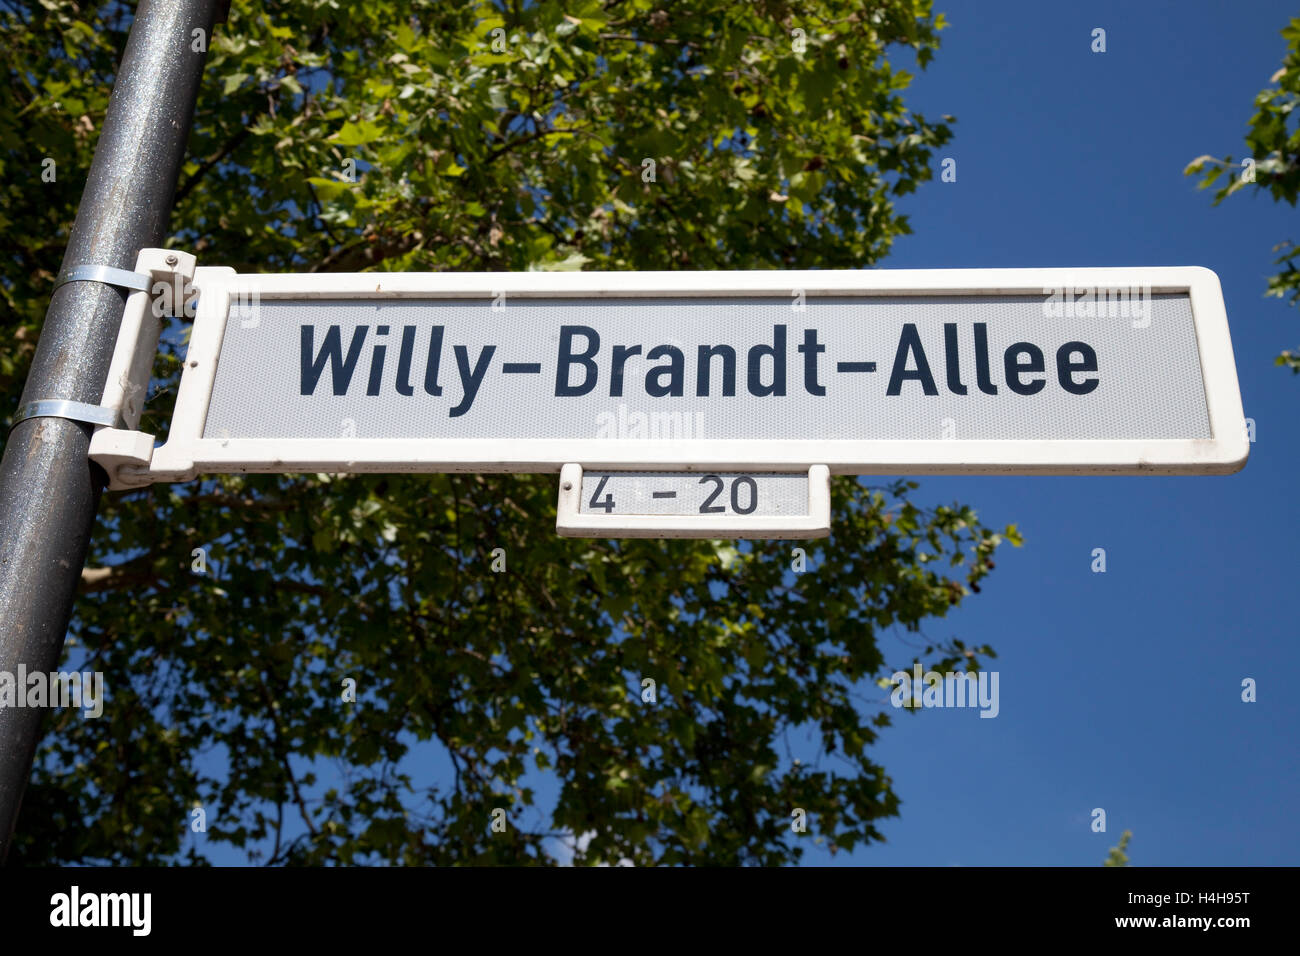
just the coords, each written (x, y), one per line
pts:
(205, 167)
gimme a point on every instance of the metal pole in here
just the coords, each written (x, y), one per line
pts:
(48, 488)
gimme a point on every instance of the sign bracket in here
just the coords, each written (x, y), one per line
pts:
(125, 453)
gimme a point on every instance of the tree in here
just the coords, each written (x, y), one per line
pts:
(1272, 164)
(228, 614)
(1117, 856)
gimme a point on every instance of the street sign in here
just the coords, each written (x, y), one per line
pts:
(1005, 371)
(656, 504)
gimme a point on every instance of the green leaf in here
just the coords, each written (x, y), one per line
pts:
(358, 134)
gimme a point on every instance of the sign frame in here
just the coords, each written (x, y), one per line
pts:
(186, 453)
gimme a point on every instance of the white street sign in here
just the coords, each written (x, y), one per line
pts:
(761, 494)
(657, 504)
(1011, 371)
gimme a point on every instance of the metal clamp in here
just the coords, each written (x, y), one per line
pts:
(107, 275)
(63, 408)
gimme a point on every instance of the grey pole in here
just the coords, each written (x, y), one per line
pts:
(48, 488)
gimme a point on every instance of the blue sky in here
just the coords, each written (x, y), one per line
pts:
(1119, 690)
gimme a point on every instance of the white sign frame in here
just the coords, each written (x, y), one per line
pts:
(187, 453)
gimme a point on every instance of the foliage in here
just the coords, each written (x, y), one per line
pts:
(1117, 856)
(1273, 145)
(224, 687)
